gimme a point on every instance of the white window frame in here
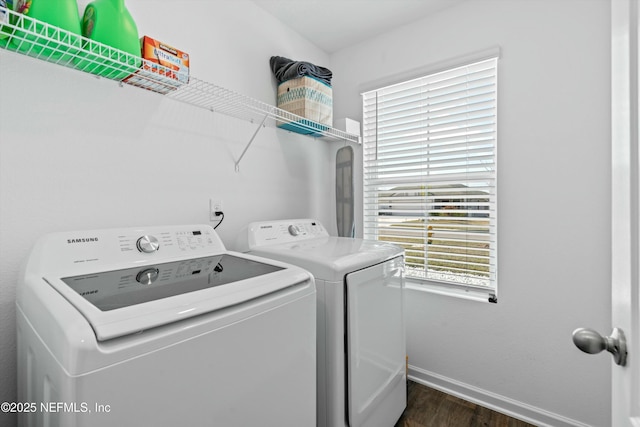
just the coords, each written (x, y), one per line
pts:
(392, 175)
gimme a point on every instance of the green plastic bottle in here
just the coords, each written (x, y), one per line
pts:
(109, 22)
(39, 40)
(5, 31)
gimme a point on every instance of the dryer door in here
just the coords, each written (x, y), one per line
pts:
(376, 364)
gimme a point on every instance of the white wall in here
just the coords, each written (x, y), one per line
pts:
(554, 213)
(77, 152)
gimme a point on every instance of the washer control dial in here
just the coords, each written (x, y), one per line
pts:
(294, 230)
(147, 244)
(147, 276)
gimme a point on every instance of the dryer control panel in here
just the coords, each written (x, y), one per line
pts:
(284, 231)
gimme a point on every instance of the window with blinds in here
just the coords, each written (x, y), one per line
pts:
(430, 173)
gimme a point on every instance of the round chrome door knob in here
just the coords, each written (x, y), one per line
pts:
(147, 276)
(590, 341)
(147, 244)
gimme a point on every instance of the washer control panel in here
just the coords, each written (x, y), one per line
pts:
(169, 240)
(284, 231)
(111, 247)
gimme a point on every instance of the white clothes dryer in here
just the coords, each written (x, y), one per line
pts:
(162, 326)
(361, 335)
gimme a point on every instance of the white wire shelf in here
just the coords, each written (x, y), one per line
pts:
(34, 38)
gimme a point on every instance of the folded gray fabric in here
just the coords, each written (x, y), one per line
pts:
(285, 69)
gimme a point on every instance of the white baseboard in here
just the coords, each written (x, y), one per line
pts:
(493, 401)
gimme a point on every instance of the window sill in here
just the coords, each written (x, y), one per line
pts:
(469, 293)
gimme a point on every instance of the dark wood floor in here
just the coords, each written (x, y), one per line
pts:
(427, 407)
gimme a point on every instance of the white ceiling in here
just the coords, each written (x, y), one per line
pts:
(335, 24)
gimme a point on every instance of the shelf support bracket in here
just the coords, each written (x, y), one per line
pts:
(250, 142)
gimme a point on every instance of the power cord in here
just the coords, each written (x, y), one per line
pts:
(219, 213)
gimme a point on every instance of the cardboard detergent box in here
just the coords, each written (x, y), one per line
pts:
(309, 98)
(171, 65)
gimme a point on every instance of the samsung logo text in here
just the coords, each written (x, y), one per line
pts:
(83, 240)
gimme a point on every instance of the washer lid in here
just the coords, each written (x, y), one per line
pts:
(331, 258)
(125, 301)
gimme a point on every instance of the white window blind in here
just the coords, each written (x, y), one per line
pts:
(430, 173)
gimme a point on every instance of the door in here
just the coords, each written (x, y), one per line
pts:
(625, 385)
(625, 217)
(376, 375)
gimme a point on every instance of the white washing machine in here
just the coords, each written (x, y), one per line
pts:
(361, 335)
(162, 326)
